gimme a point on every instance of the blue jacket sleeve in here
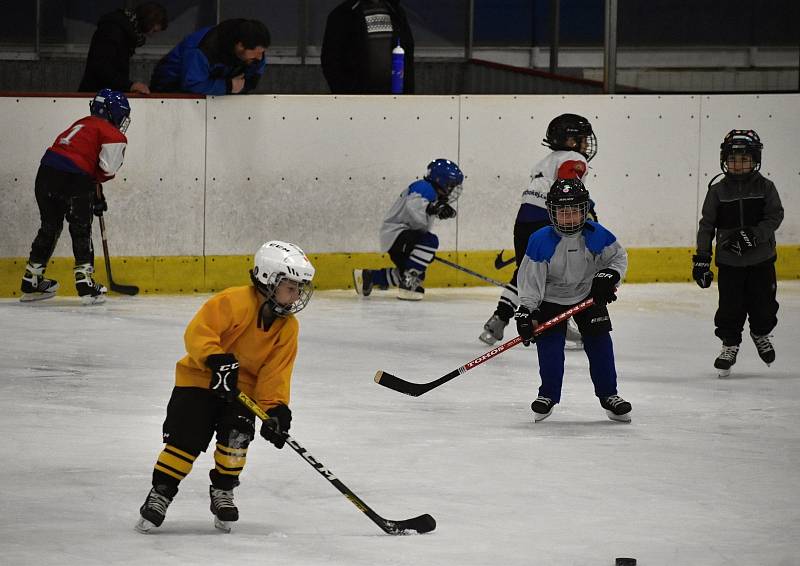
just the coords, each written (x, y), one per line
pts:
(195, 75)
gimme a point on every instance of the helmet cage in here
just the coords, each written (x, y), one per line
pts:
(278, 261)
(568, 195)
(740, 142)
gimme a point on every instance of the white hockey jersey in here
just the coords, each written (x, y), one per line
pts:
(409, 212)
(557, 165)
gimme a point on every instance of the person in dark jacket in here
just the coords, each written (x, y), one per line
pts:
(357, 47)
(225, 59)
(743, 211)
(114, 42)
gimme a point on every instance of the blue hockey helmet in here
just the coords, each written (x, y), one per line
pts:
(113, 106)
(446, 178)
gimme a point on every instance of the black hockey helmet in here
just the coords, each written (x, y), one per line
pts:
(568, 195)
(740, 142)
(566, 126)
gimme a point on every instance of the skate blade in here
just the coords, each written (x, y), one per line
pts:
(358, 281)
(723, 373)
(539, 417)
(90, 300)
(30, 297)
(405, 295)
(626, 418)
(223, 526)
(143, 525)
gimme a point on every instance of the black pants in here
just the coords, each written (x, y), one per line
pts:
(746, 292)
(522, 233)
(63, 195)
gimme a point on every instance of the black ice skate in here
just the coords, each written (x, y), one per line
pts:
(493, 330)
(617, 408)
(90, 292)
(411, 286)
(35, 286)
(542, 408)
(154, 509)
(223, 508)
(362, 281)
(726, 359)
(764, 346)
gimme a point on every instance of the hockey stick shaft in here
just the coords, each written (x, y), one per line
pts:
(421, 524)
(417, 389)
(475, 274)
(117, 288)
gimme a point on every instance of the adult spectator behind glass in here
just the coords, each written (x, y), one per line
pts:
(114, 42)
(357, 47)
(225, 59)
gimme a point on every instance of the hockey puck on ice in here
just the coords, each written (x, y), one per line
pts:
(625, 562)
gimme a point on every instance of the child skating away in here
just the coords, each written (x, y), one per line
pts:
(406, 232)
(742, 211)
(565, 263)
(84, 155)
(244, 338)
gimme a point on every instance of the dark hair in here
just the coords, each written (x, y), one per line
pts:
(252, 34)
(150, 14)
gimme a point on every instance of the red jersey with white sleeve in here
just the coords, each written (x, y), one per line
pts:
(92, 145)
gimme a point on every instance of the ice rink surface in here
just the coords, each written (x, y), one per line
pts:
(705, 475)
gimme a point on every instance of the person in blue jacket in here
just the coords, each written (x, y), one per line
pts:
(225, 59)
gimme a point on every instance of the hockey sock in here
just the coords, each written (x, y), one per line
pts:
(174, 463)
(229, 463)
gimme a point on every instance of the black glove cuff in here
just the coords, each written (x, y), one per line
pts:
(215, 360)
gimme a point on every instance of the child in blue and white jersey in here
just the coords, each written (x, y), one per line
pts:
(564, 264)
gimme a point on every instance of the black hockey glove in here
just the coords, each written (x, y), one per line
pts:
(742, 241)
(224, 375)
(701, 270)
(604, 287)
(276, 427)
(99, 204)
(441, 209)
(527, 322)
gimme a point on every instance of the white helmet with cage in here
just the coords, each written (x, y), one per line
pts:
(276, 261)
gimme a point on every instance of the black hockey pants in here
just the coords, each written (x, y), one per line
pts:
(63, 195)
(746, 292)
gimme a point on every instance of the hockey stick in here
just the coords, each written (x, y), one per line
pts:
(417, 389)
(500, 263)
(475, 274)
(116, 287)
(422, 524)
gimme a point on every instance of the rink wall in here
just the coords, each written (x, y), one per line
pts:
(206, 181)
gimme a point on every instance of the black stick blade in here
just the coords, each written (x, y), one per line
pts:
(124, 289)
(400, 385)
(422, 524)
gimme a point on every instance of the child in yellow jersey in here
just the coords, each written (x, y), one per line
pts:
(244, 338)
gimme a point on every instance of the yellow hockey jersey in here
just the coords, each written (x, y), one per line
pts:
(227, 323)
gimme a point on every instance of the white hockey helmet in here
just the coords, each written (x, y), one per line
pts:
(276, 261)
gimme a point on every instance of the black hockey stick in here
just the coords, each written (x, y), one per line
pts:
(422, 524)
(500, 263)
(475, 274)
(116, 287)
(417, 389)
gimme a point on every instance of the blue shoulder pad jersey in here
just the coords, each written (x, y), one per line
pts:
(559, 269)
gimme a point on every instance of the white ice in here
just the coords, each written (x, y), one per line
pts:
(706, 474)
